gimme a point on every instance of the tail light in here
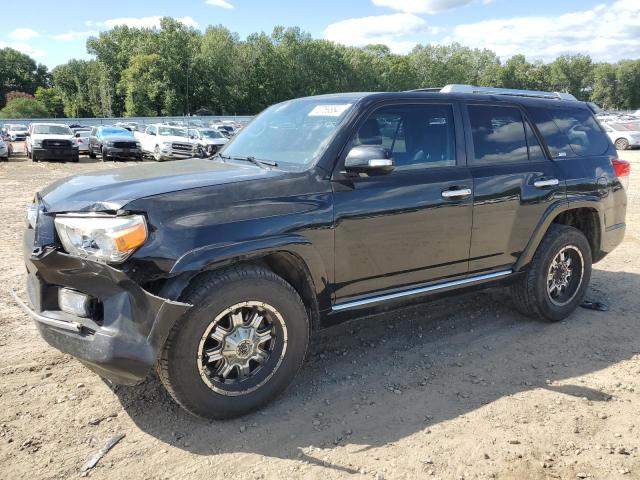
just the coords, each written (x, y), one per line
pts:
(621, 167)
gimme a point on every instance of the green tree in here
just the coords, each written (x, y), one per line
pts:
(51, 100)
(24, 107)
(19, 72)
(143, 86)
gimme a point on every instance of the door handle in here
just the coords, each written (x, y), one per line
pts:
(550, 182)
(457, 193)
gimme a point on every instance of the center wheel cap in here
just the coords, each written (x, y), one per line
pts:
(244, 349)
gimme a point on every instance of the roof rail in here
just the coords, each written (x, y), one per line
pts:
(455, 88)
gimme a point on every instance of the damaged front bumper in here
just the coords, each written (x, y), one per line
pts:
(125, 329)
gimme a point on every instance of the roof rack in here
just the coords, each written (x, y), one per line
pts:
(455, 88)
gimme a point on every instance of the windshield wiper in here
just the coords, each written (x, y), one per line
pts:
(249, 158)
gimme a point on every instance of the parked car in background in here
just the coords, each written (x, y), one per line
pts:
(131, 126)
(166, 142)
(82, 139)
(112, 143)
(209, 141)
(624, 136)
(226, 130)
(17, 132)
(51, 141)
(5, 150)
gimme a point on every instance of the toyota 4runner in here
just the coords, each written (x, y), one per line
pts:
(218, 271)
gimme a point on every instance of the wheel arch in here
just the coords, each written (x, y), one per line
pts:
(587, 216)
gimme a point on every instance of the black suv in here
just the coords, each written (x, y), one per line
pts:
(218, 271)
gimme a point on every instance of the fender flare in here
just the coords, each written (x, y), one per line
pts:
(550, 215)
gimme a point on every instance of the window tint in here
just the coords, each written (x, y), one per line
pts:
(498, 134)
(582, 131)
(418, 136)
(535, 150)
(569, 132)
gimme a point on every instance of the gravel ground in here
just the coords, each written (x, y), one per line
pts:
(459, 388)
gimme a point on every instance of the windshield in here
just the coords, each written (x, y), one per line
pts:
(116, 132)
(211, 134)
(293, 132)
(172, 131)
(17, 127)
(52, 129)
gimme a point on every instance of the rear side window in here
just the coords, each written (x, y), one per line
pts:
(570, 131)
(498, 134)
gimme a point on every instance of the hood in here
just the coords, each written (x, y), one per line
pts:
(174, 138)
(52, 136)
(113, 189)
(215, 141)
(120, 138)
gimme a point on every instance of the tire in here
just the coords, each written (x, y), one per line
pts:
(181, 366)
(91, 154)
(4, 159)
(28, 152)
(622, 144)
(532, 294)
(103, 156)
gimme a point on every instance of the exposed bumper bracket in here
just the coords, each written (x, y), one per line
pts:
(71, 326)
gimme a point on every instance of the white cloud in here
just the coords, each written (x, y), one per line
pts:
(421, 6)
(386, 29)
(71, 35)
(140, 22)
(24, 48)
(605, 32)
(219, 3)
(24, 34)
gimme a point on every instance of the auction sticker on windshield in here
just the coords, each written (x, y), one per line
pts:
(328, 110)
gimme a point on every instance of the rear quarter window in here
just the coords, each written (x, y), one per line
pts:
(570, 131)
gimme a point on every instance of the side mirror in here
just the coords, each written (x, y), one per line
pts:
(77, 135)
(369, 159)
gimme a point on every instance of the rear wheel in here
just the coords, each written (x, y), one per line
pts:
(622, 144)
(239, 346)
(558, 276)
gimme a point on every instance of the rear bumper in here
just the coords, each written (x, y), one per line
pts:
(612, 237)
(126, 329)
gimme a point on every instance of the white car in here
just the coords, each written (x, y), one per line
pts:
(166, 142)
(51, 141)
(209, 141)
(624, 135)
(17, 132)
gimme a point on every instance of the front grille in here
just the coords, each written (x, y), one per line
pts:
(182, 147)
(55, 143)
(124, 144)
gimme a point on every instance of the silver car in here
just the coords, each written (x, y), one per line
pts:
(624, 135)
(82, 140)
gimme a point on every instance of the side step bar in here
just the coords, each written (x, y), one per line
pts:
(416, 291)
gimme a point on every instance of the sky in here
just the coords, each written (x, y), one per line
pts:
(54, 32)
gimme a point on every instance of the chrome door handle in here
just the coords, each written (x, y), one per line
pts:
(459, 193)
(551, 182)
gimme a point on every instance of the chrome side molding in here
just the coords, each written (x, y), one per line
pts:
(416, 291)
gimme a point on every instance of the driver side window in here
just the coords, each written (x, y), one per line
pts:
(418, 136)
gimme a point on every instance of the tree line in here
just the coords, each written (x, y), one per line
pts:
(176, 70)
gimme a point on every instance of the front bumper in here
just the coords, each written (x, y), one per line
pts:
(123, 336)
(113, 152)
(55, 153)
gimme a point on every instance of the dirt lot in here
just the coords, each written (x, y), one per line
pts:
(459, 388)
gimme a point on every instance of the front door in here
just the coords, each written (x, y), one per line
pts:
(413, 225)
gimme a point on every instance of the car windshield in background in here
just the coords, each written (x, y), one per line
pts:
(84, 133)
(294, 132)
(211, 134)
(17, 127)
(52, 129)
(116, 132)
(172, 131)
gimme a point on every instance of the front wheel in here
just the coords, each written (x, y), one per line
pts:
(558, 276)
(239, 347)
(622, 144)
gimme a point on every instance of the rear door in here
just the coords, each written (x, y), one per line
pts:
(412, 225)
(514, 183)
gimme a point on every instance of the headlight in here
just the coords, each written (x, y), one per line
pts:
(105, 239)
(166, 144)
(37, 143)
(108, 143)
(138, 145)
